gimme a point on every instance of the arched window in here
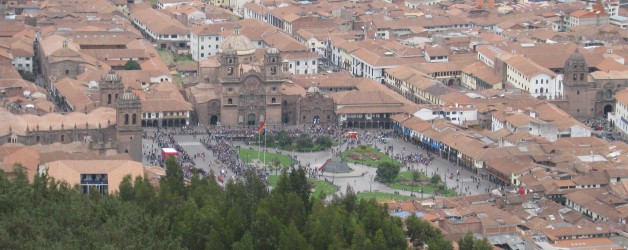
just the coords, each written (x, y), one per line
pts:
(126, 119)
(229, 101)
(536, 91)
(273, 100)
(541, 90)
(609, 94)
(230, 71)
(575, 77)
(230, 60)
(273, 70)
(272, 59)
(581, 76)
(134, 119)
(109, 99)
(547, 90)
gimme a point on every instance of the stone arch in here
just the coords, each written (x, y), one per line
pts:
(607, 109)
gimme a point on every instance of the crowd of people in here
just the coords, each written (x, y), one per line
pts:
(227, 157)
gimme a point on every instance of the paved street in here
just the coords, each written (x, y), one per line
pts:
(361, 179)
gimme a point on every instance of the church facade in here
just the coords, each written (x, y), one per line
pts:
(588, 93)
(244, 86)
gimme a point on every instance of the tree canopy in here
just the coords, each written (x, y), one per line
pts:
(387, 171)
(198, 215)
(132, 65)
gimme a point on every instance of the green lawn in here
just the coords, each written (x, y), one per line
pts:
(321, 185)
(379, 196)
(427, 189)
(249, 155)
(367, 156)
(170, 59)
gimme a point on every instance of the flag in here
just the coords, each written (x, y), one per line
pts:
(262, 128)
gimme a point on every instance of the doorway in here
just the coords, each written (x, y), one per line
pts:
(251, 119)
(213, 120)
(607, 108)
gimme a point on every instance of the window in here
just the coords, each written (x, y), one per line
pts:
(202, 39)
(216, 45)
(298, 63)
(273, 70)
(202, 54)
(217, 38)
(202, 46)
(109, 99)
(575, 77)
(229, 89)
(134, 119)
(314, 62)
(581, 76)
(126, 119)
(37, 138)
(67, 72)
(229, 101)
(62, 138)
(273, 100)
(173, 36)
(578, 92)
(285, 103)
(230, 71)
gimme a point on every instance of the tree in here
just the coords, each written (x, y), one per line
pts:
(132, 65)
(466, 242)
(304, 141)
(283, 139)
(435, 179)
(126, 188)
(482, 244)
(387, 171)
(324, 141)
(421, 232)
(416, 176)
(174, 177)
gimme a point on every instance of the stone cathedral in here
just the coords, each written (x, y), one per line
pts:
(243, 86)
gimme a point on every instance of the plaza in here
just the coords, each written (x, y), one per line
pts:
(197, 144)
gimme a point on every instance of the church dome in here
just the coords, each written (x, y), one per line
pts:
(576, 57)
(128, 96)
(237, 42)
(111, 77)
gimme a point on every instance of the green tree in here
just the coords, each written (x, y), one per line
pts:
(466, 242)
(387, 171)
(304, 141)
(132, 65)
(283, 139)
(416, 176)
(126, 188)
(482, 244)
(421, 232)
(246, 243)
(291, 238)
(435, 179)
(173, 181)
(324, 142)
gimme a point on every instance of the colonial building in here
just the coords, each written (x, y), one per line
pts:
(243, 85)
(109, 128)
(588, 95)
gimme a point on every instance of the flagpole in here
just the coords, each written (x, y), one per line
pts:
(259, 144)
(264, 131)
